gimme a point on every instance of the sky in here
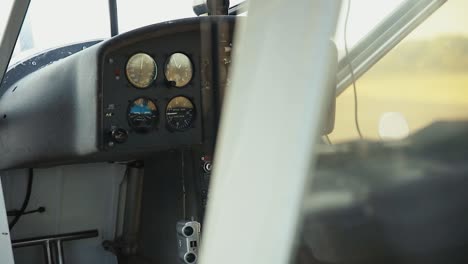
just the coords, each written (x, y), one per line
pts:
(59, 22)
(365, 14)
(451, 18)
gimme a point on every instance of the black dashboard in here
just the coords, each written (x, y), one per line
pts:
(151, 93)
(148, 90)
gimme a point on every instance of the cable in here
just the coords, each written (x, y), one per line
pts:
(184, 194)
(356, 117)
(40, 210)
(26, 200)
(327, 140)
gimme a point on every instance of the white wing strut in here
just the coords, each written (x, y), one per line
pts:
(12, 31)
(271, 120)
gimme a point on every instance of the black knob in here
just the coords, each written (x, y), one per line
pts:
(190, 258)
(119, 135)
(188, 231)
(207, 167)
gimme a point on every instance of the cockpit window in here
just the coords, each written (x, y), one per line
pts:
(421, 81)
(53, 23)
(364, 16)
(138, 13)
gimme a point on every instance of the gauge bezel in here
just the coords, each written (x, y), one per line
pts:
(194, 116)
(166, 63)
(156, 122)
(156, 67)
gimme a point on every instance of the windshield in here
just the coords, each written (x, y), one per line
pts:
(364, 15)
(423, 80)
(52, 23)
(138, 13)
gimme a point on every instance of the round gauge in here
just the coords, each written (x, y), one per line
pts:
(141, 70)
(179, 70)
(142, 114)
(180, 113)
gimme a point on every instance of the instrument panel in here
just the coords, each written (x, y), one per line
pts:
(144, 91)
(152, 91)
(143, 114)
(153, 86)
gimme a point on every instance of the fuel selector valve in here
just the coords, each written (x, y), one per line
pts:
(119, 135)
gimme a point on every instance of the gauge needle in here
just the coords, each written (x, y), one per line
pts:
(178, 65)
(141, 65)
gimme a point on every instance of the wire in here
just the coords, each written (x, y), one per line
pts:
(356, 117)
(40, 210)
(184, 194)
(26, 200)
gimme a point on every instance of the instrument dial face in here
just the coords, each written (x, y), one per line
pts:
(142, 114)
(179, 70)
(141, 70)
(180, 113)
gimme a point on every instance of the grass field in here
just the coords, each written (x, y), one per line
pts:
(422, 98)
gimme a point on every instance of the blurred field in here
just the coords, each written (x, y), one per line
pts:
(422, 97)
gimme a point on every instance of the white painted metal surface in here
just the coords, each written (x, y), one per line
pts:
(77, 197)
(271, 119)
(6, 253)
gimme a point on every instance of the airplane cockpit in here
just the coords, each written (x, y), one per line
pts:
(208, 131)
